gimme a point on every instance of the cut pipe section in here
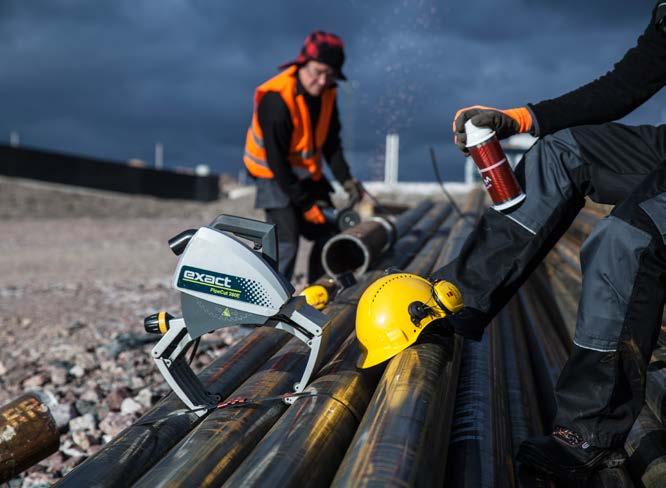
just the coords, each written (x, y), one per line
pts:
(357, 248)
(28, 433)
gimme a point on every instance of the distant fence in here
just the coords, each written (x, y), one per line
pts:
(106, 175)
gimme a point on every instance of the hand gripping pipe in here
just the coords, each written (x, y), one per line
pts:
(132, 452)
(213, 450)
(403, 437)
(28, 432)
(358, 247)
(305, 447)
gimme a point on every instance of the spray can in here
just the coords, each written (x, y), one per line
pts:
(494, 167)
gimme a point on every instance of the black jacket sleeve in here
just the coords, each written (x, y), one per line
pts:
(333, 149)
(275, 122)
(633, 80)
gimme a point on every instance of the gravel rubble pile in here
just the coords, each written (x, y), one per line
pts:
(80, 271)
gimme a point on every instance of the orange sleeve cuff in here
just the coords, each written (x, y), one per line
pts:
(522, 116)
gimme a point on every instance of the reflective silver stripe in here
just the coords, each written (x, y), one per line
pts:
(516, 221)
(305, 154)
(593, 348)
(520, 224)
(257, 140)
(256, 160)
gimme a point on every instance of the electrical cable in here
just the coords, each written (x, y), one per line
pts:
(194, 350)
(433, 160)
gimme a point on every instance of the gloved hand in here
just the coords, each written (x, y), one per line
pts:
(314, 215)
(354, 191)
(505, 123)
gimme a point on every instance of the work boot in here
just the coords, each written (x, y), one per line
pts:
(565, 455)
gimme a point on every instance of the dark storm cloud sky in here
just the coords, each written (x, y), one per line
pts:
(111, 78)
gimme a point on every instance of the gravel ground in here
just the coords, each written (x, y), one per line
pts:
(80, 271)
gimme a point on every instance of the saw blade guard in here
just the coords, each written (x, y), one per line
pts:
(224, 282)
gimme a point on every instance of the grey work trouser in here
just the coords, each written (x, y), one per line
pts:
(290, 226)
(601, 388)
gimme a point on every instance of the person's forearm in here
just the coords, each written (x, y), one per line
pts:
(634, 79)
(339, 166)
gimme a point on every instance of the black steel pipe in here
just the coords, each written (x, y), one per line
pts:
(582, 225)
(564, 262)
(131, 453)
(521, 389)
(357, 248)
(410, 246)
(547, 350)
(565, 297)
(28, 433)
(646, 447)
(306, 445)
(403, 437)
(214, 449)
(480, 447)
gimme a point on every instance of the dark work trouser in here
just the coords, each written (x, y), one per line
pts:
(290, 226)
(601, 388)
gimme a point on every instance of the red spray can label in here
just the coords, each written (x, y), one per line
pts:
(494, 167)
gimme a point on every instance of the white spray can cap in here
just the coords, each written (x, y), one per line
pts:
(477, 135)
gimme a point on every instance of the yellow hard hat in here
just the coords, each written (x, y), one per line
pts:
(394, 310)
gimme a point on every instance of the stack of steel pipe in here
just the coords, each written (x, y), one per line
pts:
(443, 410)
(357, 248)
(403, 437)
(212, 451)
(135, 450)
(306, 445)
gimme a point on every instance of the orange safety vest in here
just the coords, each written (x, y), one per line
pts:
(304, 151)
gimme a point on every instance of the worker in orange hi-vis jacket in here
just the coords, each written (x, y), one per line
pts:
(294, 126)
